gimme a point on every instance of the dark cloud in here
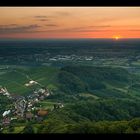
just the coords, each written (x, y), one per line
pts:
(75, 30)
(40, 17)
(17, 28)
(100, 26)
(53, 25)
(9, 25)
(43, 19)
(14, 28)
(86, 29)
(52, 16)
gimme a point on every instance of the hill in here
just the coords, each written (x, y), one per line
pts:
(104, 82)
(92, 97)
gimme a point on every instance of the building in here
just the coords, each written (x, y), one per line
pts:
(29, 116)
(6, 113)
(42, 113)
(20, 106)
(31, 83)
(58, 105)
(6, 121)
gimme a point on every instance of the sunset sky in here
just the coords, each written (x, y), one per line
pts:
(69, 22)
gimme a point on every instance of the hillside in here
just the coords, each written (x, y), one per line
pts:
(92, 97)
(14, 79)
(106, 82)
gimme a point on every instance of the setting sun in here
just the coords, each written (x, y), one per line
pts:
(116, 37)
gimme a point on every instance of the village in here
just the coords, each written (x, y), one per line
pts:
(44, 58)
(24, 107)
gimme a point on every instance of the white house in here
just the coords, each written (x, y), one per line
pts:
(6, 113)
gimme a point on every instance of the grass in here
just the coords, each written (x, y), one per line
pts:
(14, 80)
(89, 95)
(46, 104)
(18, 129)
(109, 93)
(122, 89)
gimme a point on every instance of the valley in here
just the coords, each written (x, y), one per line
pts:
(63, 87)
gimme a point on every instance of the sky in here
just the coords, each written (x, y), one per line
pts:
(69, 22)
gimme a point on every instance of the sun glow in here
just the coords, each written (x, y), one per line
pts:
(116, 37)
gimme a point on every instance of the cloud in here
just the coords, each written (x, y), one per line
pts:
(33, 28)
(17, 28)
(53, 25)
(55, 15)
(40, 16)
(43, 19)
(85, 29)
(63, 13)
(73, 30)
(100, 26)
(9, 25)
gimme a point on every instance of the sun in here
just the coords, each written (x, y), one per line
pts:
(116, 37)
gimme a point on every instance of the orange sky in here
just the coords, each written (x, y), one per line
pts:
(69, 22)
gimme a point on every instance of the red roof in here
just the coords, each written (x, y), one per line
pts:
(42, 112)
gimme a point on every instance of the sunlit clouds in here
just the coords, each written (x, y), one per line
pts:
(70, 22)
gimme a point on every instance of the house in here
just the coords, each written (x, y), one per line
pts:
(6, 121)
(6, 113)
(58, 105)
(30, 104)
(20, 106)
(61, 105)
(13, 118)
(41, 90)
(47, 94)
(29, 116)
(36, 100)
(31, 83)
(2, 90)
(41, 97)
(33, 108)
(42, 113)
(5, 92)
(38, 118)
(27, 85)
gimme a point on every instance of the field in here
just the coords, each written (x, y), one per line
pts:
(14, 79)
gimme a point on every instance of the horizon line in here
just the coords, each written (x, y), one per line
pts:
(72, 38)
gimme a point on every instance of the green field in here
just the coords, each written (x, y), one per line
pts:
(99, 81)
(14, 79)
